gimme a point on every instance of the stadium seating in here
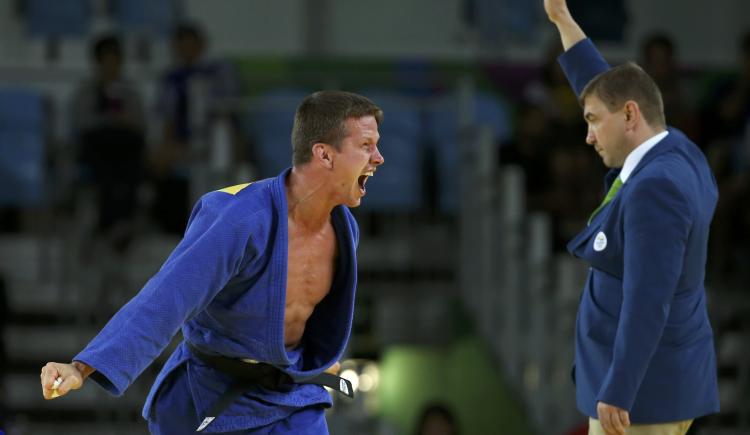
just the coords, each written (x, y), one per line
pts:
(397, 186)
(444, 133)
(54, 18)
(22, 143)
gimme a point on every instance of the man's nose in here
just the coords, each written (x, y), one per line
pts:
(590, 137)
(377, 158)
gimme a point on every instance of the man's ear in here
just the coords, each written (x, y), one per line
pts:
(322, 153)
(632, 114)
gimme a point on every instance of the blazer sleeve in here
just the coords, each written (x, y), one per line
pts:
(657, 222)
(199, 267)
(581, 63)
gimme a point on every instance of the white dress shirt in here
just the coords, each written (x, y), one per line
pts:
(635, 156)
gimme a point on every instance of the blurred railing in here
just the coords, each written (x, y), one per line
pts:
(523, 297)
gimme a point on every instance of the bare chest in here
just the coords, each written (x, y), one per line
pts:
(310, 268)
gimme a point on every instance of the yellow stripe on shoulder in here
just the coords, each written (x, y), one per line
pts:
(233, 190)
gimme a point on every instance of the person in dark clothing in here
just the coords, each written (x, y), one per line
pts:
(193, 77)
(109, 130)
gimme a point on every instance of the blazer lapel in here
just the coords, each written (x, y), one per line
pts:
(666, 145)
(581, 238)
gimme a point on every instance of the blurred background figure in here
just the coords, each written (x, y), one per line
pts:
(109, 134)
(191, 94)
(591, 13)
(726, 116)
(658, 57)
(3, 358)
(551, 92)
(437, 419)
(529, 149)
(726, 106)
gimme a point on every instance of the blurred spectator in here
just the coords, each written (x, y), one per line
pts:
(727, 106)
(582, 429)
(192, 94)
(659, 59)
(437, 419)
(552, 93)
(727, 136)
(108, 123)
(576, 184)
(10, 220)
(562, 174)
(529, 149)
(590, 13)
(4, 312)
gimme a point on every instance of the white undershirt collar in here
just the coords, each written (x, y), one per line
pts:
(635, 156)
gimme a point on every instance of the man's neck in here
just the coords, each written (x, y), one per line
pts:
(643, 135)
(308, 203)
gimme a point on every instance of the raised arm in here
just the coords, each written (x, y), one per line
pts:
(581, 61)
(570, 31)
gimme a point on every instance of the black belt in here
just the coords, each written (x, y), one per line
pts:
(247, 374)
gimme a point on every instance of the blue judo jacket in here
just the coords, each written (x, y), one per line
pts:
(225, 286)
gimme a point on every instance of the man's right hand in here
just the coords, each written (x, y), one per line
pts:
(556, 10)
(558, 13)
(72, 379)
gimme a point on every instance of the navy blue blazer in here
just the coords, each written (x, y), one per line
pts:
(643, 339)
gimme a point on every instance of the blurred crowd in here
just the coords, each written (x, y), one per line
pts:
(113, 156)
(129, 171)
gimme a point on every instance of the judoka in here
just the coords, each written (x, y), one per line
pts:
(262, 286)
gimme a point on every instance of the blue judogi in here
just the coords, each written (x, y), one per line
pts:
(225, 286)
(643, 339)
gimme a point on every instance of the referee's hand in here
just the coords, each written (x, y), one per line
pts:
(614, 420)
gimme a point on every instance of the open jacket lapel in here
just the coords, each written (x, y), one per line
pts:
(581, 239)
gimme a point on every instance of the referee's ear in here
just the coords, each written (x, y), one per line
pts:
(632, 114)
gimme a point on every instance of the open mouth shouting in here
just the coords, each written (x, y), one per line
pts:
(362, 180)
